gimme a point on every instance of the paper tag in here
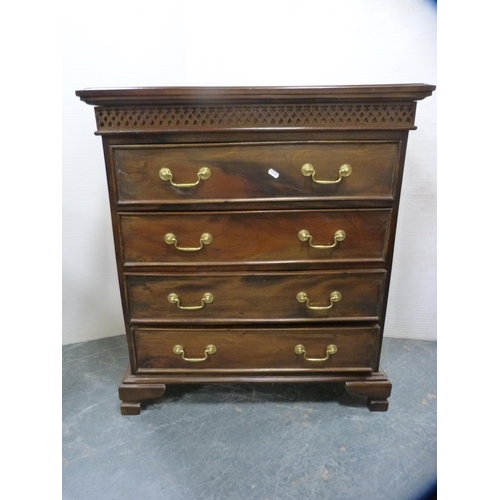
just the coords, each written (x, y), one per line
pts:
(273, 173)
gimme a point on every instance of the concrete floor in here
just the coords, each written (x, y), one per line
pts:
(245, 442)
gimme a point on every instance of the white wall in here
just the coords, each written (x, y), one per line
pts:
(119, 43)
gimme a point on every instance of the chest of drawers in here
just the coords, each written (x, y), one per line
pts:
(254, 231)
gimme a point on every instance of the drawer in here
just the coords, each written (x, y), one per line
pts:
(223, 350)
(253, 171)
(232, 238)
(240, 297)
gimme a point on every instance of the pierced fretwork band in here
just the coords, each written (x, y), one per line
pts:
(157, 118)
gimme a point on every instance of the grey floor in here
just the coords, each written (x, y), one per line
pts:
(245, 442)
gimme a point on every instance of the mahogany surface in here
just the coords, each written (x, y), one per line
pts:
(250, 238)
(258, 349)
(262, 296)
(241, 172)
(255, 142)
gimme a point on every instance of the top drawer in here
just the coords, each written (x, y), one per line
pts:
(254, 171)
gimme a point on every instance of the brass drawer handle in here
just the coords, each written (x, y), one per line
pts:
(304, 235)
(207, 298)
(334, 297)
(308, 171)
(203, 174)
(331, 349)
(210, 349)
(205, 239)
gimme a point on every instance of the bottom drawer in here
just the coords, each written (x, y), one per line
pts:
(256, 350)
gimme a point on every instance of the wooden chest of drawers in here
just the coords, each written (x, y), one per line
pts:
(254, 231)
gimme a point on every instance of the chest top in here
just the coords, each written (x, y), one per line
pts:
(221, 108)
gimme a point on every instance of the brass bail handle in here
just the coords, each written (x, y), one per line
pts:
(330, 349)
(203, 175)
(307, 170)
(334, 297)
(304, 235)
(207, 298)
(210, 349)
(205, 239)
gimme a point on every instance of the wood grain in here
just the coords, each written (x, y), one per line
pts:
(264, 350)
(243, 297)
(254, 237)
(241, 172)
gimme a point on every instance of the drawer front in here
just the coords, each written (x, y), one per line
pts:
(264, 171)
(354, 349)
(253, 237)
(238, 297)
